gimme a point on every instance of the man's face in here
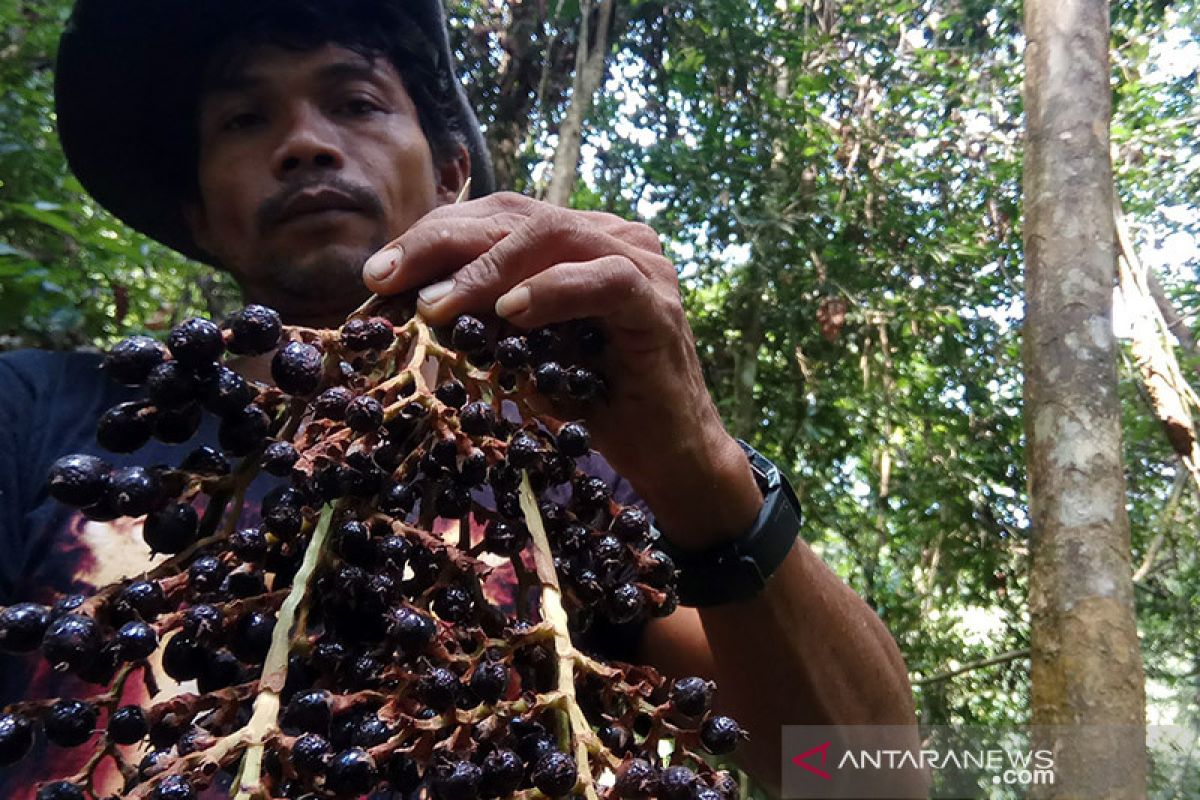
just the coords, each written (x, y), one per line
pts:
(309, 162)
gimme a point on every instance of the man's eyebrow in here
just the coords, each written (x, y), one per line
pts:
(239, 81)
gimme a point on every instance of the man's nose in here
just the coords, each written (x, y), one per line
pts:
(309, 142)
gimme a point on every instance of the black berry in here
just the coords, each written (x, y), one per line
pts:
(554, 774)
(131, 360)
(468, 334)
(70, 723)
(125, 427)
(71, 641)
(297, 368)
(128, 725)
(172, 529)
(16, 738)
(719, 734)
(78, 480)
(22, 627)
(196, 343)
(255, 329)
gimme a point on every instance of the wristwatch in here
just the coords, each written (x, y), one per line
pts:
(738, 569)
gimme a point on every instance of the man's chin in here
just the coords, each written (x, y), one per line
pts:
(329, 277)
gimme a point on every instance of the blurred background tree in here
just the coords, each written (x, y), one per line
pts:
(838, 184)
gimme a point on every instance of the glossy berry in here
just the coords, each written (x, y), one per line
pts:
(441, 457)
(502, 773)
(453, 604)
(439, 689)
(224, 392)
(370, 731)
(364, 414)
(173, 787)
(182, 658)
(573, 440)
(131, 360)
(125, 427)
(78, 480)
(282, 512)
(136, 640)
(310, 753)
(252, 636)
(207, 461)
(524, 451)
(554, 774)
(296, 368)
(398, 498)
(220, 669)
(625, 602)
(512, 352)
(71, 641)
(375, 333)
(203, 624)
(279, 458)
(456, 780)
(691, 696)
(255, 329)
(206, 573)
(453, 501)
(244, 430)
(308, 712)
(452, 393)
(16, 738)
(331, 403)
(60, 790)
(550, 378)
(504, 538)
(22, 627)
(473, 469)
(677, 783)
(133, 491)
(172, 529)
(196, 343)
(719, 734)
(350, 773)
(249, 544)
(468, 334)
(177, 425)
(128, 725)
(489, 681)
(636, 778)
(630, 523)
(477, 419)
(591, 493)
(70, 723)
(616, 738)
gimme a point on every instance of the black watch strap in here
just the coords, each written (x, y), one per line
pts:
(738, 569)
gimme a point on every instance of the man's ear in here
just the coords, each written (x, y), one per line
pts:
(452, 175)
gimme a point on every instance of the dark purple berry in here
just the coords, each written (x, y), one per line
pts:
(125, 427)
(133, 491)
(524, 451)
(350, 773)
(136, 640)
(172, 529)
(473, 469)
(16, 738)
(550, 378)
(220, 669)
(173, 787)
(71, 641)
(625, 602)
(720, 735)
(582, 383)
(331, 403)
(591, 493)
(616, 738)
(504, 538)
(182, 658)
(691, 696)
(128, 725)
(308, 712)
(60, 790)
(296, 368)
(131, 360)
(251, 638)
(477, 419)
(370, 731)
(677, 783)
(171, 385)
(636, 778)
(398, 498)
(249, 544)
(143, 600)
(310, 753)
(630, 524)
(203, 624)
(489, 681)
(206, 574)
(573, 440)
(364, 414)
(503, 772)
(456, 780)
(512, 352)
(70, 723)
(411, 629)
(279, 458)
(453, 604)
(468, 334)
(255, 330)
(375, 333)
(196, 343)
(206, 461)
(554, 774)
(79, 479)
(177, 425)
(453, 501)
(439, 689)
(224, 392)
(452, 393)
(22, 627)
(244, 430)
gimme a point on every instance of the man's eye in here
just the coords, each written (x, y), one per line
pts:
(360, 107)
(241, 121)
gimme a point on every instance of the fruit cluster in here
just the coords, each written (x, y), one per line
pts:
(345, 644)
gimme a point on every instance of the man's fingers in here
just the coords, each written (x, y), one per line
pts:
(433, 249)
(611, 288)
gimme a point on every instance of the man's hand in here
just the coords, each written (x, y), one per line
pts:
(535, 264)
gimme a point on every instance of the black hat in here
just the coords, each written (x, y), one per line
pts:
(127, 77)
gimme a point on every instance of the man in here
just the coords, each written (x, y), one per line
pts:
(310, 152)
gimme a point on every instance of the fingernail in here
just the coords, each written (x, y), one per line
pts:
(381, 265)
(514, 303)
(431, 294)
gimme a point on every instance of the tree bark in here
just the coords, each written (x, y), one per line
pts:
(590, 66)
(1086, 664)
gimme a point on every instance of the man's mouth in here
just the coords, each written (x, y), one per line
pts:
(313, 202)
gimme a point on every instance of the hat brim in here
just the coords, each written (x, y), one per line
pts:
(125, 80)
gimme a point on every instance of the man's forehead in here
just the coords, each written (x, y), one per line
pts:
(257, 65)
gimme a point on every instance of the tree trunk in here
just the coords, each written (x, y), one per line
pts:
(517, 91)
(590, 66)
(1086, 665)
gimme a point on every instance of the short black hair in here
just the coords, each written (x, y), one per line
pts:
(370, 29)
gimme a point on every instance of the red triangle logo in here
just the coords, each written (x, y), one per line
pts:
(801, 760)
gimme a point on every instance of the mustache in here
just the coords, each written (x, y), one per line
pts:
(272, 209)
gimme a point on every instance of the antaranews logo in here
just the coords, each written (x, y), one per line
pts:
(802, 760)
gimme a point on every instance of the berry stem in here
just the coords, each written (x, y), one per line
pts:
(263, 722)
(574, 723)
